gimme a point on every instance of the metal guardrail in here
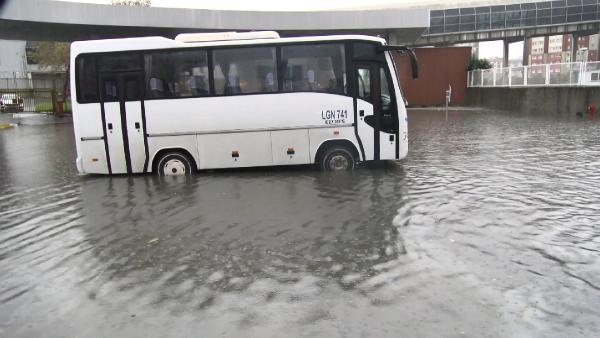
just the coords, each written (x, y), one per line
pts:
(551, 74)
(10, 75)
(22, 83)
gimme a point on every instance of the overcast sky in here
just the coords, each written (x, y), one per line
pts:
(276, 5)
(492, 49)
(487, 49)
(300, 5)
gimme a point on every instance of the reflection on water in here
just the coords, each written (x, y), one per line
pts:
(487, 229)
(211, 229)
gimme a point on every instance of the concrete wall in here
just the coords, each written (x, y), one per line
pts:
(12, 57)
(438, 68)
(550, 100)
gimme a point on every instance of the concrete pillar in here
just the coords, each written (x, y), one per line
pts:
(505, 55)
(525, 51)
(475, 50)
(574, 37)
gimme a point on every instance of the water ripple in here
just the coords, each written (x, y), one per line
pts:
(488, 228)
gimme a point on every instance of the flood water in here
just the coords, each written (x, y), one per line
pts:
(490, 228)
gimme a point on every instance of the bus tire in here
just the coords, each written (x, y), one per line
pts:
(174, 164)
(337, 158)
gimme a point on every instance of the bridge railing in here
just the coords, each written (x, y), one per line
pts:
(552, 74)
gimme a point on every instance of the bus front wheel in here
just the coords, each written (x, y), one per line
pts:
(337, 159)
(174, 164)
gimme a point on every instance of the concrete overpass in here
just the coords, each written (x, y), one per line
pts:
(69, 21)
(512, 22)
(511, 34)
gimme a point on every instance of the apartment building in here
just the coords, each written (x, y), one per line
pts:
(594, 42)
(558, 49)
(587, 48)
(537, 53)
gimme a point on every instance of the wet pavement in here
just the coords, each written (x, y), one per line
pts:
(490, 228)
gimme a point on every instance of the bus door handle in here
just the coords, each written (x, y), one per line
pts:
(110, 127)
(137, 126)
(361, 113)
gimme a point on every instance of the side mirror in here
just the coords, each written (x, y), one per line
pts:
(403, 50)
(414, 63)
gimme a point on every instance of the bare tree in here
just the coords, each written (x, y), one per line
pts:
(51, 55)
(54, 56)
(141, 3)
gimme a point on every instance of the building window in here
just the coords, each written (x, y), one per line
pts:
(30, 48)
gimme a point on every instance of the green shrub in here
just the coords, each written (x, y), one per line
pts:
(478, 64)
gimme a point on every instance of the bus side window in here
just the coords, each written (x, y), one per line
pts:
(132, 89)
(245, 70)
(176, 74)
(129, 61)
(388, 105)
(314, 67)
(109, 87)
(365, 51)
(87, 82)
(232, 85)
(364, 84)
(386, 97)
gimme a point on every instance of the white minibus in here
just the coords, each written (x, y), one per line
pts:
(223, 100)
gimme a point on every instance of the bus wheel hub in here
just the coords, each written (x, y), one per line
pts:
(338, 162)
(174, 167)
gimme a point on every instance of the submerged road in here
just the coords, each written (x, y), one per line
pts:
(490, 228)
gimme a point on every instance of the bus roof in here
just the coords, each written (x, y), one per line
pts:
(156, 42)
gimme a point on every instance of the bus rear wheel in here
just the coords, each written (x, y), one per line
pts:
(174, 164)
(337, 159)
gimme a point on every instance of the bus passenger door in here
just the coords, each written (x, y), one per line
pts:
(123, 121)
(375, 105)
(368, 106)
(367, 126)
(387, 115)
